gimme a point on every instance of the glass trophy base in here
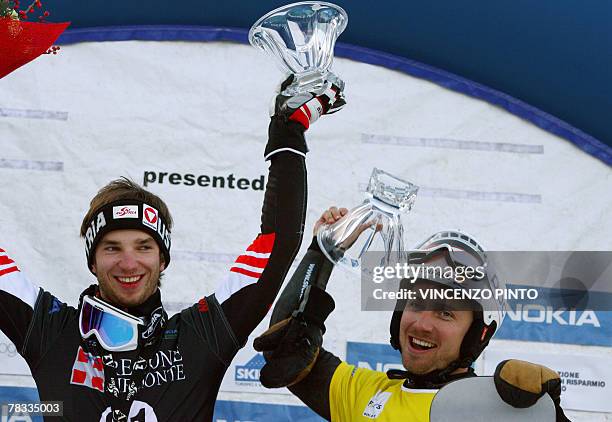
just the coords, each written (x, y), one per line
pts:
(315, 82)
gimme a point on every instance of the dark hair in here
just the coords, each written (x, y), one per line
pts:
(125, 189)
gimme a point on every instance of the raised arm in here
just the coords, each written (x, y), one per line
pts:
(292, 345)
(255, 278)
(17, 300)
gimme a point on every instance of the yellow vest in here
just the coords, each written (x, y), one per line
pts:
(359, 394)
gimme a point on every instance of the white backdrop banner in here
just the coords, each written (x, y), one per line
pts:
(11, 362)
(189, 121)
(586, 380)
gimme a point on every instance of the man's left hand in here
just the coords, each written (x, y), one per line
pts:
(521, 384)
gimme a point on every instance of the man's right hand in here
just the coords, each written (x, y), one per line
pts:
(329, 216)
(306, 108)
(292, 115)
(335, 214)
(291, 346)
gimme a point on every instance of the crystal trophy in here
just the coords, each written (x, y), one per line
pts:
(379, 216)
(301, 38)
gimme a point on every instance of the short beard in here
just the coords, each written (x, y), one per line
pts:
(112, 301)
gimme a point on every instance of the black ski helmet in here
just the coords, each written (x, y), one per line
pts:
(488, 317)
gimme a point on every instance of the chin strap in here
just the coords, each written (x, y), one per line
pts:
(433, 379)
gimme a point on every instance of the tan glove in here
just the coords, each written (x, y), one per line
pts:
(521, 384)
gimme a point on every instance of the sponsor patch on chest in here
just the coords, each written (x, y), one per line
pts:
(376, 404)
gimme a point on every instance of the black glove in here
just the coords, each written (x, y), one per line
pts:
(521, 384)
(291, 346)
(291, 116)
(306, 108)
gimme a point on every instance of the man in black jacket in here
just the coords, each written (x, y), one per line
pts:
(117, 357)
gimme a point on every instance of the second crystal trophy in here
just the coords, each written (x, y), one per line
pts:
(387, 198)
(301, 39)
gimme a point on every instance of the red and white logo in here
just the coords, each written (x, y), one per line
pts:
(125, 211)
(150, 216)
(253, 262)
(88, 371)
(7, 265)
(248, 267)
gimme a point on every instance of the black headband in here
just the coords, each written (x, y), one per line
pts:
(125, 215)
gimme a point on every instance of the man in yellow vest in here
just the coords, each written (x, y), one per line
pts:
(438, 341)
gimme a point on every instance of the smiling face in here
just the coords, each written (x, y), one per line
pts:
(431, 339)
(128, 266)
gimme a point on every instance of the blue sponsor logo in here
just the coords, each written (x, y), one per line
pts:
(539, 320)
(536, 322)
(55, 306)
(249, 372)
(170, 334)
(378, 357)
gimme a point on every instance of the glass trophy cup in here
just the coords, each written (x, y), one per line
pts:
(374, 225)
(301, 38)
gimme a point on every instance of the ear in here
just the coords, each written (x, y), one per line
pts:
(162, 265)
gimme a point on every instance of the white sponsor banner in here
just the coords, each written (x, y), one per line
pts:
(11, 362)
(586, 380)
(192, 130)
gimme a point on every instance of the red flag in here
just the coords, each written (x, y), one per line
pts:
(22, 41)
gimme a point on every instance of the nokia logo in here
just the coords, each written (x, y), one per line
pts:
(548, 315)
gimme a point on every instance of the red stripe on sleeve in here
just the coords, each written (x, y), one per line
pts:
(263, 244)
(245, 272)
(300, 117)
(252, 261)
(8, 270)
(5, 260)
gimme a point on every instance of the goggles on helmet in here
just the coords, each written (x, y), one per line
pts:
(116, 330)
(451, 256)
